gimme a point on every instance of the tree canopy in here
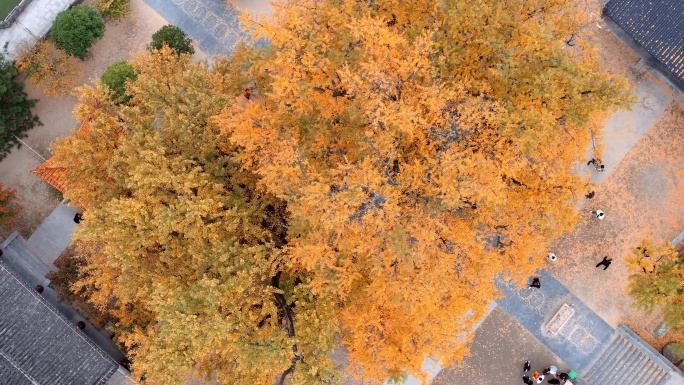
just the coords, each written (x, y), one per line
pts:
(363, 179)
(8, 207)
(179, 245)
(15, 108)
(116, 76)
(173, 37)
(657, 282)
(76, 29)
(422, 148)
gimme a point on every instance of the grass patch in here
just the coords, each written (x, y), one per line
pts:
(6, 6)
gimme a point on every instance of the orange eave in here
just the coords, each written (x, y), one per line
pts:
(51, 172)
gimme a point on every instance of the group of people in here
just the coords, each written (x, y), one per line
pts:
(536, 283)
(536, 378)
(600, 168)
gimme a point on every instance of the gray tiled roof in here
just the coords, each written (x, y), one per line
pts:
(657, 25)
(40, 346)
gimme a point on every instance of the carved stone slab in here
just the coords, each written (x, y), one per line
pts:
(560, 319)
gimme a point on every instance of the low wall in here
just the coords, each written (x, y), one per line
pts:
(14, 14)
(31, 24)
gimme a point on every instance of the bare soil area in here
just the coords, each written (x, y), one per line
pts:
(642, 199)
(122, 38)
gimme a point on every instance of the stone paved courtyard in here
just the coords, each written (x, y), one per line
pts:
(578, 342)
(642, 198)
(215, 24)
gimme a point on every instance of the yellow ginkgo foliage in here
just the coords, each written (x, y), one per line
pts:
(179, 243)
(423, 148)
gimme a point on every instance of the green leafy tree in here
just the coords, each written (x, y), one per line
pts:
(116, 76)
(15, 108)
(77, 29)
(173, 37)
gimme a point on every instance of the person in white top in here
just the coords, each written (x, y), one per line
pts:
(598, 213)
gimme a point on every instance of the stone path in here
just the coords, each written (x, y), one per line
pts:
(215, 24)
(578, 342)
(53, 236)
(622, 131)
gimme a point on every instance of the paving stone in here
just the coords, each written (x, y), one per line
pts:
(210, 22)
(578, 335)
(214, 24)
(231, 40)
(31, 24)
(588, 344)
(533, 309)
(189, 6)
(200, 13)
(219, 31)
(53, 236)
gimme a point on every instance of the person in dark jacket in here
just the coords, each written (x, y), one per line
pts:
(536, 283)
(605, 262)
(527, 366)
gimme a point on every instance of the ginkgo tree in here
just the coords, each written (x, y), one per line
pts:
(657, 282)
(365, 178)
(423, 148)
(178, 243)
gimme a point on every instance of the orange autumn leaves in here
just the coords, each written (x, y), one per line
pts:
(406, 138)
(416, 150)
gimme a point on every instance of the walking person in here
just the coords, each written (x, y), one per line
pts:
(527, 366)
(597, 164)
(78, 218)
(590, 194)
(550, 370)
(536, 283)
(598, 213)
(605, 262)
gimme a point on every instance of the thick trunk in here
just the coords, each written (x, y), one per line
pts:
(288, 323)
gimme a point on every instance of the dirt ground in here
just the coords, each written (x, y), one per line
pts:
(642, 199)
(121, 39)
